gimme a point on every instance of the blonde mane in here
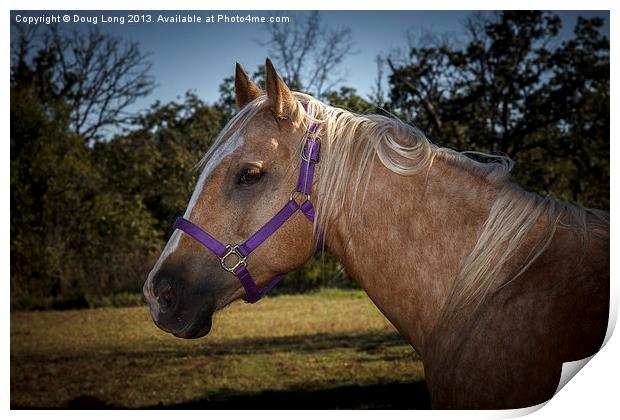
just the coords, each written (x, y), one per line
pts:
(349, 144)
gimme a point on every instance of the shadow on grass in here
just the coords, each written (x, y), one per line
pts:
(307, 343)
(378, 345)
(369, 343)
(402, 396)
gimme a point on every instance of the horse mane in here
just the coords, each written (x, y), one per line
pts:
(349, 144)
(350, 141)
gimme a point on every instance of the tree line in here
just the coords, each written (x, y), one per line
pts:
(95, 188)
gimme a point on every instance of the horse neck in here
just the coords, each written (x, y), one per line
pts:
(408, 238)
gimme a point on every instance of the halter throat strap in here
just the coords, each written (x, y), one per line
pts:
(233, 256)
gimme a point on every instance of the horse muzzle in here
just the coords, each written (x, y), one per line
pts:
(176, 309)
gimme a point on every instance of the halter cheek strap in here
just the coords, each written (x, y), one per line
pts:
(233, 256)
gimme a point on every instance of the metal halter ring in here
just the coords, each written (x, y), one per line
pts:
(233, 249)
(294, 192)
(303, 150)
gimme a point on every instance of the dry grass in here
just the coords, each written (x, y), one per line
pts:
(284, 345)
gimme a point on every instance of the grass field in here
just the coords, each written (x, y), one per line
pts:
(331, 349)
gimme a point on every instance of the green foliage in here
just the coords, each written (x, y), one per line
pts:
(347, 98)
(322, 271)
(507, 90)
(71, 236)
(116, 300)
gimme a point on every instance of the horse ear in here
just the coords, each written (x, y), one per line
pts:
(245, 89)
(280, 97)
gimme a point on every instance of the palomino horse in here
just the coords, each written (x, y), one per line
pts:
(493, 286)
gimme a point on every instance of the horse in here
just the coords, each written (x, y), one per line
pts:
(495, 287)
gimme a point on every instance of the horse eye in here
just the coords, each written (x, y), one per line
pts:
(250, 175)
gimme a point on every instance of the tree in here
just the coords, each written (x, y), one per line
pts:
(308, 54)
(508, 89)
(347, 98)
(96, 76)
(72, 236)
(423, 81)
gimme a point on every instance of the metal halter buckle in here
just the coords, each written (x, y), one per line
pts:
(233, 249)
(303, 150)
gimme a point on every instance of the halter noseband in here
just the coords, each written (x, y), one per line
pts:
(240, 252)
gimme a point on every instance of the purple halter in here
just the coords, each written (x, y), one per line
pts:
(309, 158)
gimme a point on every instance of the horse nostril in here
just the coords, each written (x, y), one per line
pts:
(166, 296)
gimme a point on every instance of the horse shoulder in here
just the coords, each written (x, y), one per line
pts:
(509, 352)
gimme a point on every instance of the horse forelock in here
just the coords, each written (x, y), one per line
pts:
(232, 129)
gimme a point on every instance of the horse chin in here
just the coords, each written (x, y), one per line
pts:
(196, 329)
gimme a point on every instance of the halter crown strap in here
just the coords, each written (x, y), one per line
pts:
(233, 256)
(309, 159)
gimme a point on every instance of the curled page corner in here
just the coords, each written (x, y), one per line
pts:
(570, 369)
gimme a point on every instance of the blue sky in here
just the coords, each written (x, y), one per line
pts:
(199, 56)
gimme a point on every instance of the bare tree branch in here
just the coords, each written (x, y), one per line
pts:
(95, 75)
(309, 54)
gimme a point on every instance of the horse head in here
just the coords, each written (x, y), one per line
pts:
(247, 176)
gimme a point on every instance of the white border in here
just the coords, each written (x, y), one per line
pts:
(593, 393)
